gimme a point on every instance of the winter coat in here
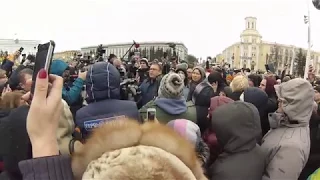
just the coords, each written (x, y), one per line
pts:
(287, 144)
(73, 94)
(103, 90)
(170, 109)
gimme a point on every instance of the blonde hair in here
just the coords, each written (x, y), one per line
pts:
(11, 100)
(239, 84)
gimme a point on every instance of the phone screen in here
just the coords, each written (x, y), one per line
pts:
(151, 115)
(43, 60)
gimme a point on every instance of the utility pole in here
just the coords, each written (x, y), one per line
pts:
(307, 20)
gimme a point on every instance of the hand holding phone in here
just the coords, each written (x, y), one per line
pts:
(151, 114)
(43, 60)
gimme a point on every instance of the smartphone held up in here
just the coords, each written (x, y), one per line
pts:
(43, 60)
(151, 114)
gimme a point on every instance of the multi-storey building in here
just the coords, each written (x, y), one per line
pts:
(252, 52)
(121, 49)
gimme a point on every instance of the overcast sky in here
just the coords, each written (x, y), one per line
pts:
(206, 27)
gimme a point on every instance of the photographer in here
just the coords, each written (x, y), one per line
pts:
(143, 71)
(71, 94)
(132, 65)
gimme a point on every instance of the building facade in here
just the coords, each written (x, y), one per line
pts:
(121, 49)
(66, 55)
(252, 52)
(12, 45)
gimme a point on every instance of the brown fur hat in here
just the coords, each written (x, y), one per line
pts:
(124, 149)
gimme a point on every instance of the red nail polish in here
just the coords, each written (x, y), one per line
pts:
(42, 74)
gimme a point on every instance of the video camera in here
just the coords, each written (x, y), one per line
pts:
(129, 90)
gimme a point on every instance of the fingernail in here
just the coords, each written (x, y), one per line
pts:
(42, 74)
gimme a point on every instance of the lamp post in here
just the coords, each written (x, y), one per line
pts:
(307, 20)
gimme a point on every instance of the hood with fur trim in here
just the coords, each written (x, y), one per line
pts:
(126, 149)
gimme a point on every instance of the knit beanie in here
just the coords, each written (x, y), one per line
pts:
(186, 129)
(171, 86)
(183, 66)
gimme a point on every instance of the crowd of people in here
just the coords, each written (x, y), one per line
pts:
(246, 126)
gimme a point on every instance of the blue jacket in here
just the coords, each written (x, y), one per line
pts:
(71, 96)
(149, 90)
(103, 92)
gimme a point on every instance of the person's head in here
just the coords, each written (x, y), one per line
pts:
(237, 126)
(25, 79)
(296, 101)
(215, 79)
(198, 74)
(267, 85)
(239, 83)
(102, 82)
(219, 70)
(155, 70)
(60, 68)
(254, 80)
(12, 100)
(144, 63)
(317, 94)
(171, 86)
(3, 76)
(117, 63)
(286, 79)
(189, 72)
(216, 102)
(184, 76)
(111, 58)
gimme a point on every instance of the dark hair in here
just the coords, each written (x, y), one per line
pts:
(270, 82)
(31, 57)
(185, 74)
(256, 79)
(111, 56)
(215, 76)
(23, 72)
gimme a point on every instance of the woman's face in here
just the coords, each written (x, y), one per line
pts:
(196, 75)
(263, 84)
(182, 75)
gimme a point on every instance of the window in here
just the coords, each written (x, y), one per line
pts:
(252, 25)
(248, 25)
(254, 40)
(254, 47)
(253, 54)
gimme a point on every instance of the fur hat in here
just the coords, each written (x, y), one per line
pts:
(171, 86)
(154, 163)
(111, 154)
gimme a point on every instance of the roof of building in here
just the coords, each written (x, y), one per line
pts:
(141, 43)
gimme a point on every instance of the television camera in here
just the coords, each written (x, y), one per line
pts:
(129, 90)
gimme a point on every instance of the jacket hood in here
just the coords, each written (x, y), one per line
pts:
(202, 72)
(297, 96)
(102, 82)
(120, 154)
(172, 106)
(237, 126)
(255, 96)
(58, 67)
